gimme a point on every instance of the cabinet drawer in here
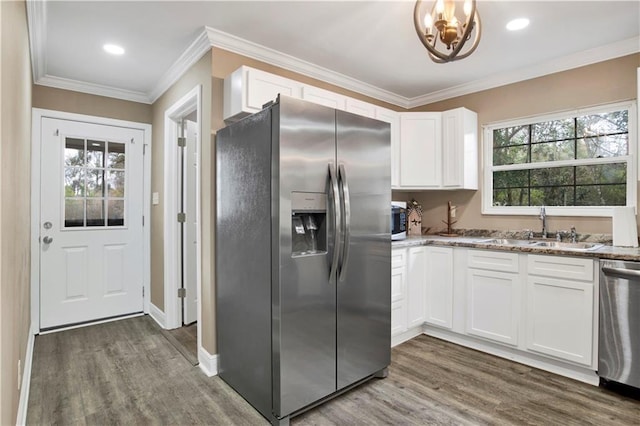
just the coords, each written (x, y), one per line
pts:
(398, 258)
(493, 260)
(573, 268)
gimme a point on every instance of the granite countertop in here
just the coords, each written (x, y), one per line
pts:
(604, 252)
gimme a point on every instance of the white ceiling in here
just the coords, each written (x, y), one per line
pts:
(367, 46)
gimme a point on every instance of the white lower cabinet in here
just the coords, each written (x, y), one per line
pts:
(398, 291)
(492, 296)
(416, 276)
(439, 287)
(560, 311)
(492, 305)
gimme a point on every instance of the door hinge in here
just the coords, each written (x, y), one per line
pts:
(182, 142)
(143, 291)
(142, 220)
(182, 217)
(144, 149)
(182, 293)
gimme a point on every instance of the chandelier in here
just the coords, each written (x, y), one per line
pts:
(443, 34)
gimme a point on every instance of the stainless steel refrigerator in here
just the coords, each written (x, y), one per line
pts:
(303, 255)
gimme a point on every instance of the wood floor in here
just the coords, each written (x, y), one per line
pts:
(126, 372)
(185, 340)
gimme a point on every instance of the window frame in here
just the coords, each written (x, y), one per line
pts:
(596, 211)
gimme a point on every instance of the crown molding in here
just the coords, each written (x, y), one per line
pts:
(587, 57)
(93, 89)
(37, 28)
(189, 57)
(253, 50)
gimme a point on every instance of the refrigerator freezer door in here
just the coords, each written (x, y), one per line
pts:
(303, 295)
(363, 291)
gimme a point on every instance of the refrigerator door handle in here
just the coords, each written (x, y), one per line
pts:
(333, 179)
(342, 174)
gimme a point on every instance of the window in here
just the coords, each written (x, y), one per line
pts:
(94, 183)
(579, 163)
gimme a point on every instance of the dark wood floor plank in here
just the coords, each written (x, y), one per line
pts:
(126, 372)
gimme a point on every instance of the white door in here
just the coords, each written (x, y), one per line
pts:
(190, 228)
(91, 233)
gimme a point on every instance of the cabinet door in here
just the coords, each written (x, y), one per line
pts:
(324, 97)
(416, 276)
(398, 302)
(420, 150)
(393, 118)
(361, 108)
(439, 287)
(263, 87)
(492, 305)
(460, 149)
(559, 319)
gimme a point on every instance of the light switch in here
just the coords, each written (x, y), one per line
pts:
(155, 198)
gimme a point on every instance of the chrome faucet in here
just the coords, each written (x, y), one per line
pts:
(574, 235)
(543, 217)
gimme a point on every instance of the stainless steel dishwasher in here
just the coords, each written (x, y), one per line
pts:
(619, 337)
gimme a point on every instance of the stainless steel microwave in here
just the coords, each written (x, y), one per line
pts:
(398, 220)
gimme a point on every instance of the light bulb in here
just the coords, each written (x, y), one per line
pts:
(428, 21)
(454, 21)
(467, 7)
(440, 6)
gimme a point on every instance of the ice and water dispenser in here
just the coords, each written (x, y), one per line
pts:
(308, 223)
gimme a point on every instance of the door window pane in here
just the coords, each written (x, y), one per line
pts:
(95, 183)
(95, 153)
(74, 152)
(116, 155)
(115, 184)
(74, 185)
(116, 213)
(95, 212)
(73, 212)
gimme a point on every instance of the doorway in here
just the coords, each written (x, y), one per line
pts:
(182, 224)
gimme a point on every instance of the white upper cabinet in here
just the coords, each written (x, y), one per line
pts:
(420, 150)
(459, 149)
(393, 118)
(439, 150)
(429, 150)
(361, 108)
(324, 97)
(246, 90)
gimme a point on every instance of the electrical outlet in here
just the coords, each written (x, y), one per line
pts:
(19, 373)
(453, 211)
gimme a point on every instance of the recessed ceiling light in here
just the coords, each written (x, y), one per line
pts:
(517, 24)
(114, 49)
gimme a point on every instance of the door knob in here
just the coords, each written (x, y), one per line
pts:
(47, 240)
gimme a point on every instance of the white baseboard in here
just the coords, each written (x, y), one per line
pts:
(582, 374)
(158, 315)
(23, 403)
(208, 363)
(407, 335)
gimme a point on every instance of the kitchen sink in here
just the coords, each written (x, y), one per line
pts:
(560, 245)
(569, 246)
(508, 242)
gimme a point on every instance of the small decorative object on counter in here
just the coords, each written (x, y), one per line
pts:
(415, 218)
(449, 222)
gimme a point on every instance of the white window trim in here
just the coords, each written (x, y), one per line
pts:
(632, 164)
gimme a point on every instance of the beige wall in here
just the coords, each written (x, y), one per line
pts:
(84, 103)
(200, 73)
(15, 181)
(604, 82)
